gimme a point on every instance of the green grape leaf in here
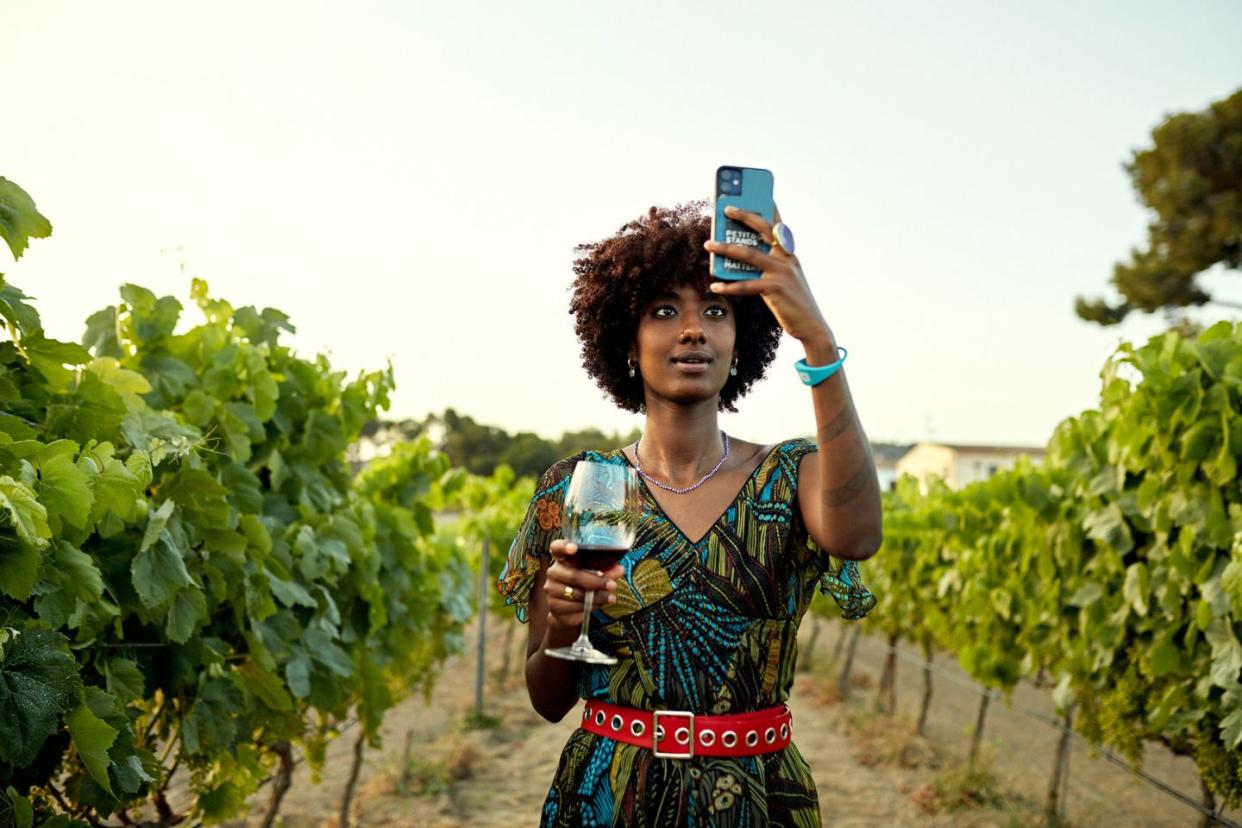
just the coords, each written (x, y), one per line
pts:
(20, 569)
(20, 508)
(267, 686)
(38, 682)
(290, 593)
(100, 336)
(124, 679)
(189, 607)
(158, 573)
(1087, 594)
(221, 802)
(20, 220)
(117, 490)
(1226, 653)
(1164, 655)
(50, 357)
(92, 736)
(157, 521)
(1231, 730)
(16, 312)
(1137, 587)
(76, 571)
(122, 380)
(65, 490)
(297, 674)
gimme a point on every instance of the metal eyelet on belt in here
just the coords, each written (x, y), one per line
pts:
(729, 739)
(784, 731)
(707, 738)
(600, 718)
(682, 736)
(769, 735)
(637, 728)
(617, 721)
(752, 738)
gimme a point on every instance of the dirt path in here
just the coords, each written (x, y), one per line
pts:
(870, 772)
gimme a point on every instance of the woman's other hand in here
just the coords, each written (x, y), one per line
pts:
(565, 587)
(782, 283)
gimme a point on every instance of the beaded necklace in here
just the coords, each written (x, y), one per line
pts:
(638, 463)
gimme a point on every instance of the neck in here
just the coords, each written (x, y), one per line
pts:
(680, 443)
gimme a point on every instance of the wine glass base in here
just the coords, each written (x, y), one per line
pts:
(589, 655)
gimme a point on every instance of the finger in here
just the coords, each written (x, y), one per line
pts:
(744, 287)
(562, 549)
(561, 575)
(776, 214)
(742, 253)
(754, 221)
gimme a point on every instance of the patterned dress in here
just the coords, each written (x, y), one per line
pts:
(705, 625)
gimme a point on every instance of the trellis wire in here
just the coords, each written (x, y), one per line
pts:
(1034, 714)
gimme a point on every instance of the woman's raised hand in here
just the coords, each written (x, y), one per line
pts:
(565, 586)
(782, 283)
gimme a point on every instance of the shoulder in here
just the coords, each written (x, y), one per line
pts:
(782, 463)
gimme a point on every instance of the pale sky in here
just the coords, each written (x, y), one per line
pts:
(408, 180)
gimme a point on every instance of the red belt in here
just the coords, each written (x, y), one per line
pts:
(676, 734)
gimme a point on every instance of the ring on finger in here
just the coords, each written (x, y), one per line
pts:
(568, 592)
(782, 238)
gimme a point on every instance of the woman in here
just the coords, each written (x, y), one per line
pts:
(703, 612)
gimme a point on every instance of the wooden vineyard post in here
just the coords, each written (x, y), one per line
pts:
(280, 785)
(927, 689)
(348, 798)
(977, 738)
(804, 663)
(483, 596)
(843, 681)
(1054, 806)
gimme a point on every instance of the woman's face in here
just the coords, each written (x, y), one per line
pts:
(685, 344)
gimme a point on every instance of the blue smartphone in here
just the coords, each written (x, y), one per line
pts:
(750, 189)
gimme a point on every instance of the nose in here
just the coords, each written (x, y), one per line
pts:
(692, 333)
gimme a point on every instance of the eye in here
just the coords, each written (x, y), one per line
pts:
(663, 311)
(717, 311)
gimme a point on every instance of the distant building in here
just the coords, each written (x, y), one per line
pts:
(886, 456)
(961, 465)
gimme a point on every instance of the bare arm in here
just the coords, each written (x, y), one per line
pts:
(838, 493)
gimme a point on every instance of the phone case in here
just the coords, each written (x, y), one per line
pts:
(755, 197)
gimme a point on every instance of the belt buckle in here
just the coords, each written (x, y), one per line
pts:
(656, 728)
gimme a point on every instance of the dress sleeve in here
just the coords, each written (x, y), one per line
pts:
(838, 578)
(529, 548)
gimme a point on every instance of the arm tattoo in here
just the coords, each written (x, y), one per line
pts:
(837, 426)
(848, 491)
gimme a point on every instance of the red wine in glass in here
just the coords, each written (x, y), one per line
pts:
(599, 557)
(600, 516)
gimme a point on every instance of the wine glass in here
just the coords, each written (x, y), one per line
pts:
(600, 515)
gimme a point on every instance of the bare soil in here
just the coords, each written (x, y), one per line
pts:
(870, 770)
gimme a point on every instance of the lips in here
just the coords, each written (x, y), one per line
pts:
(692, 362)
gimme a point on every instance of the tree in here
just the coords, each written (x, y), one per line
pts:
(1192, 179)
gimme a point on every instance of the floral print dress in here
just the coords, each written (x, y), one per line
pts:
(708, 626)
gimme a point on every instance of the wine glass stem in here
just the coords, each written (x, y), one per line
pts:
(587, 600)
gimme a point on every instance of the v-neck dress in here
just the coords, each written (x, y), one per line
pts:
(708, 626)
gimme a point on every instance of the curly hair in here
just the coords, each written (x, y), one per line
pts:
(617, 278)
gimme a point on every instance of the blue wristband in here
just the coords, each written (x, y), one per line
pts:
(813, 375)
